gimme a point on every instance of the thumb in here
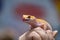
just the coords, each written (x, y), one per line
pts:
(55, 33)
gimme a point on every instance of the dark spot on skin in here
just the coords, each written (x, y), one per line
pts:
(28, 16)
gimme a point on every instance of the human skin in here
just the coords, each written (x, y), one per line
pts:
(38, 34)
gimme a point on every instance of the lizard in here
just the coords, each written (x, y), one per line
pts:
(36, 22)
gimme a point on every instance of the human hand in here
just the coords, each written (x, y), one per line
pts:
(38, 34)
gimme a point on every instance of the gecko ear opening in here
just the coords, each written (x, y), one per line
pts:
(55, 33)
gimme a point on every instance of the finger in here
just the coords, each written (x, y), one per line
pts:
(34, 36)
(41, 32)
(55, 33)
(22, 37)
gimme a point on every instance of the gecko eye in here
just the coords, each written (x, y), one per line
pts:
(28, 16)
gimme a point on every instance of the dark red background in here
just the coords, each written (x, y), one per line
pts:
(30, 9)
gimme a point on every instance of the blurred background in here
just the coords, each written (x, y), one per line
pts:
(11, 11)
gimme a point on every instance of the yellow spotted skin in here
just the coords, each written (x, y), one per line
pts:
(41, 20)
(33, 21)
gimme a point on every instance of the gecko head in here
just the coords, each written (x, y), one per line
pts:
(28, 18)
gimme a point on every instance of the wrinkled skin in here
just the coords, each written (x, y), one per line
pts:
(38, 34)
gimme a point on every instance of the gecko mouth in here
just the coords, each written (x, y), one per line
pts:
(25, 19)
